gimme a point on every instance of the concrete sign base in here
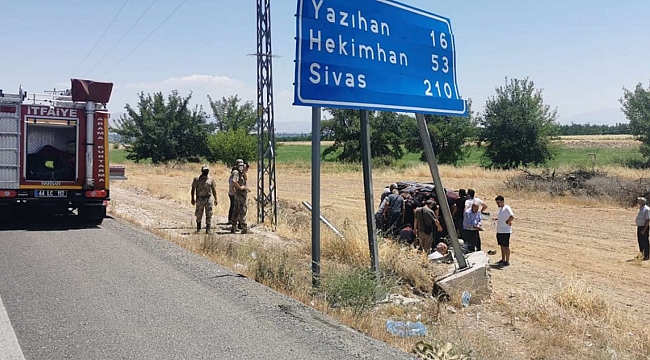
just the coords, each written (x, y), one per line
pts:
(475, 279)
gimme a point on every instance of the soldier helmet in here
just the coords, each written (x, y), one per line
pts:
(239, 162)
(205, 167)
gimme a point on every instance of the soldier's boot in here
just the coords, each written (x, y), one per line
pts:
(207, 229)
(233, 229)
(198, 226)
(244, 229)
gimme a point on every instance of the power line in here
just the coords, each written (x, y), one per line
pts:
(123, 36)
(100, 38)
(147, 37)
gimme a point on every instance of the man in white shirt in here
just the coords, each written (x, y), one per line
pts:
(642, 227)
(504, 229)
(472, 199)
(441, 252)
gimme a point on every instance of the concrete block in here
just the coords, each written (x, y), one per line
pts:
(475, 279)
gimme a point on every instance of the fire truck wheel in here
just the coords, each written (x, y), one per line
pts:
(92, 214)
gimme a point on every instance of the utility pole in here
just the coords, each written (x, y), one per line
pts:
(267, 206)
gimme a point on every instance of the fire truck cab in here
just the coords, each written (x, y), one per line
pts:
(54, 151)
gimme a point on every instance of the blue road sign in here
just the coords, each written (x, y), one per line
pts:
(375, 55)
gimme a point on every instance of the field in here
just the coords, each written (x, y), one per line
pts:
(574, 289)
(574, 151)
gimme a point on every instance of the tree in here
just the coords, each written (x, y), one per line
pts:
(229, 114)
(228, 146)
(636, 106)
(164, 131)
(517, 126)
(449, 134)
(345, 128)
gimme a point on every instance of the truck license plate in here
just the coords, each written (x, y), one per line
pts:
(51, 193)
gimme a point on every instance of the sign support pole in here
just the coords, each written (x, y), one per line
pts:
(315, 196)
(440, 191)
(367, 186)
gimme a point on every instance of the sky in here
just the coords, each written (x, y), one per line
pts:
(581, 53)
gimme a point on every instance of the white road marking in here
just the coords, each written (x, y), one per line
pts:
(9, 347)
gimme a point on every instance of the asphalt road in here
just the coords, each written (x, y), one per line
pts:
(116, 292)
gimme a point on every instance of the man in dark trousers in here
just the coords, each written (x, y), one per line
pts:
(472, 225)
(642, 227)
(425, 223)
(458, 212)
(204, 188)
(241, 195)
(394, 210)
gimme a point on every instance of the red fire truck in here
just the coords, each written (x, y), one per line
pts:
(54, 151)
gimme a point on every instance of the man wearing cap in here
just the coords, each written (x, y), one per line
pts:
(394, 210)
(241, 194)
(204, 188)
(642, 227)
(387, 191)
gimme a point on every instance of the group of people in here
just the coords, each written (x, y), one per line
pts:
(204, 197)
(414, 217)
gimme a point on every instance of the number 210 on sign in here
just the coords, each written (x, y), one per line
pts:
(439, 63)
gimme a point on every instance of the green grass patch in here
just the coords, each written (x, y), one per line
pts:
(356, 289)
(605, 156)
(117, 156)
(567, 157)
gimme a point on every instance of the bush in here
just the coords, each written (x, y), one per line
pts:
(228, 146)
(274, 271)
(354, 288)
(593, 184)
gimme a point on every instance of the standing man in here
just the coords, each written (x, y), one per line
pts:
(241, 194)
(472, 224)
(231, 197)
(387, 191)
(642, 227)
(471, 199)
(394, 211)
(459, 210)
(204, 188)
(425, 220)
(504, 229)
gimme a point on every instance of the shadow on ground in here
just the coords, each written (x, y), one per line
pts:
(44, 222)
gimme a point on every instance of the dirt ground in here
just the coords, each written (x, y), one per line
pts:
(556, 241)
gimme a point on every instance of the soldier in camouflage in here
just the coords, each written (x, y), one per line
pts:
(239, 178)
(204, 188)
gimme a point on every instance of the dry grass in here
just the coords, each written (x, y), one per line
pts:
(597, 137)
(567, 294)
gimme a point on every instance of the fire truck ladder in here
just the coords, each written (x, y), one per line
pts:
(10, 139)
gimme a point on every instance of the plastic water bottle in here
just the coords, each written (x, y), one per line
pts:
(465, 298)
(406, 329)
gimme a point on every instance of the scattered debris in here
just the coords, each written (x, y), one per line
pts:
(451, 309)
(325, 221)
(440, 352)
(465, 298)
(406, 329)
(240, 267)
(399, 300)
(582, 182)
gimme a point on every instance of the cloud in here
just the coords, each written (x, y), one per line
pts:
(288, 118)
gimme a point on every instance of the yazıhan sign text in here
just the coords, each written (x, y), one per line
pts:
(375, 55)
